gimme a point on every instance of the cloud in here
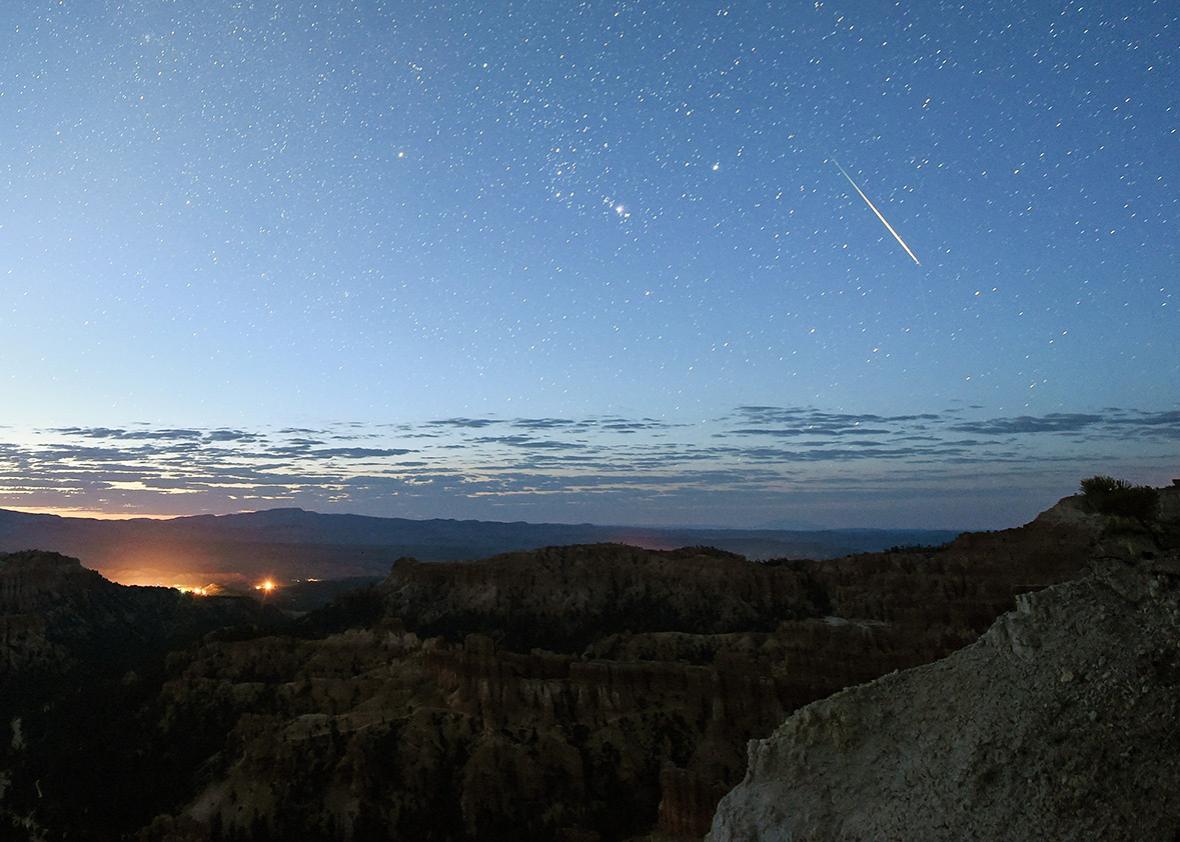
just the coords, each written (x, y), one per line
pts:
(1113, 421)
(1166, 423)
(1057, 422)
(755, 454)
(464, 423)
(129, 435)
(529, 443)
(807, 415)
(546, 423)
(360, 452)
(810, 430)
(231, 435)
(796, 422)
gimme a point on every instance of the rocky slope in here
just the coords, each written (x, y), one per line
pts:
(1059, 723)
(565, 597)
(77, 655)
(578, 693)
(587, 692)
(57, 616)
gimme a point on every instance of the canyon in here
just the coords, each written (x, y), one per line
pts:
(583, 692)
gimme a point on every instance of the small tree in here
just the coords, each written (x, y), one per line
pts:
(1112, 496)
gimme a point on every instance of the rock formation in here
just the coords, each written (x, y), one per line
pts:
(593, 692)
(76, 653)
(587, 692)
(56, 615)
(1059, 723)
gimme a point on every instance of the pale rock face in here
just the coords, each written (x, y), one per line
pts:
(1059, 723)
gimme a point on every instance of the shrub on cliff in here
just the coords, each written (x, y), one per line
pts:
(1112, 496)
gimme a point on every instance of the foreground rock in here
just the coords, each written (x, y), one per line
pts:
(1061, 722)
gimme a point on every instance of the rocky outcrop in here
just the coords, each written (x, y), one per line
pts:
(78, 657)
(956, 591)
(404, 730)
(56, 615)
(595, 692)
(585, 692)
(1059, 723)
(565, 597)
(569, 597)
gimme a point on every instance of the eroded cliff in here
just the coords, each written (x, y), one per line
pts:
(1058, 724)
(591, 692)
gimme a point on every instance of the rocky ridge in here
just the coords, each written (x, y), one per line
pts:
(57, 616)
(586, 692)
(1059, 723)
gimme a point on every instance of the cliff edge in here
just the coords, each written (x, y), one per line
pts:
(1059, 723)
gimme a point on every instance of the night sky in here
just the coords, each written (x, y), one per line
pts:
(588, 262)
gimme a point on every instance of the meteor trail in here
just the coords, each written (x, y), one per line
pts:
(873, 207)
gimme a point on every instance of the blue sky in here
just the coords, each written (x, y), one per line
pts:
(375, 216)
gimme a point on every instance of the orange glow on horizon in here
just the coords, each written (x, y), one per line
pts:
(266, 586)
(66, 511)
(149, 581)
(203, 590)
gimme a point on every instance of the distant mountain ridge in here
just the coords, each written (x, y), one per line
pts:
(293, 543)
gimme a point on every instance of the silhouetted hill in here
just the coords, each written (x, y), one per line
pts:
(564, 598)
(296, 544)
(56, 615)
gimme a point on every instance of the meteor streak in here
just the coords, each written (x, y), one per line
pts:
(873, 208)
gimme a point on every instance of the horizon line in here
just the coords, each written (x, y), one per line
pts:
(94, 514)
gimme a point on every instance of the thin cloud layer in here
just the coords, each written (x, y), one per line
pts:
(755, 465)
(1112, 422)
